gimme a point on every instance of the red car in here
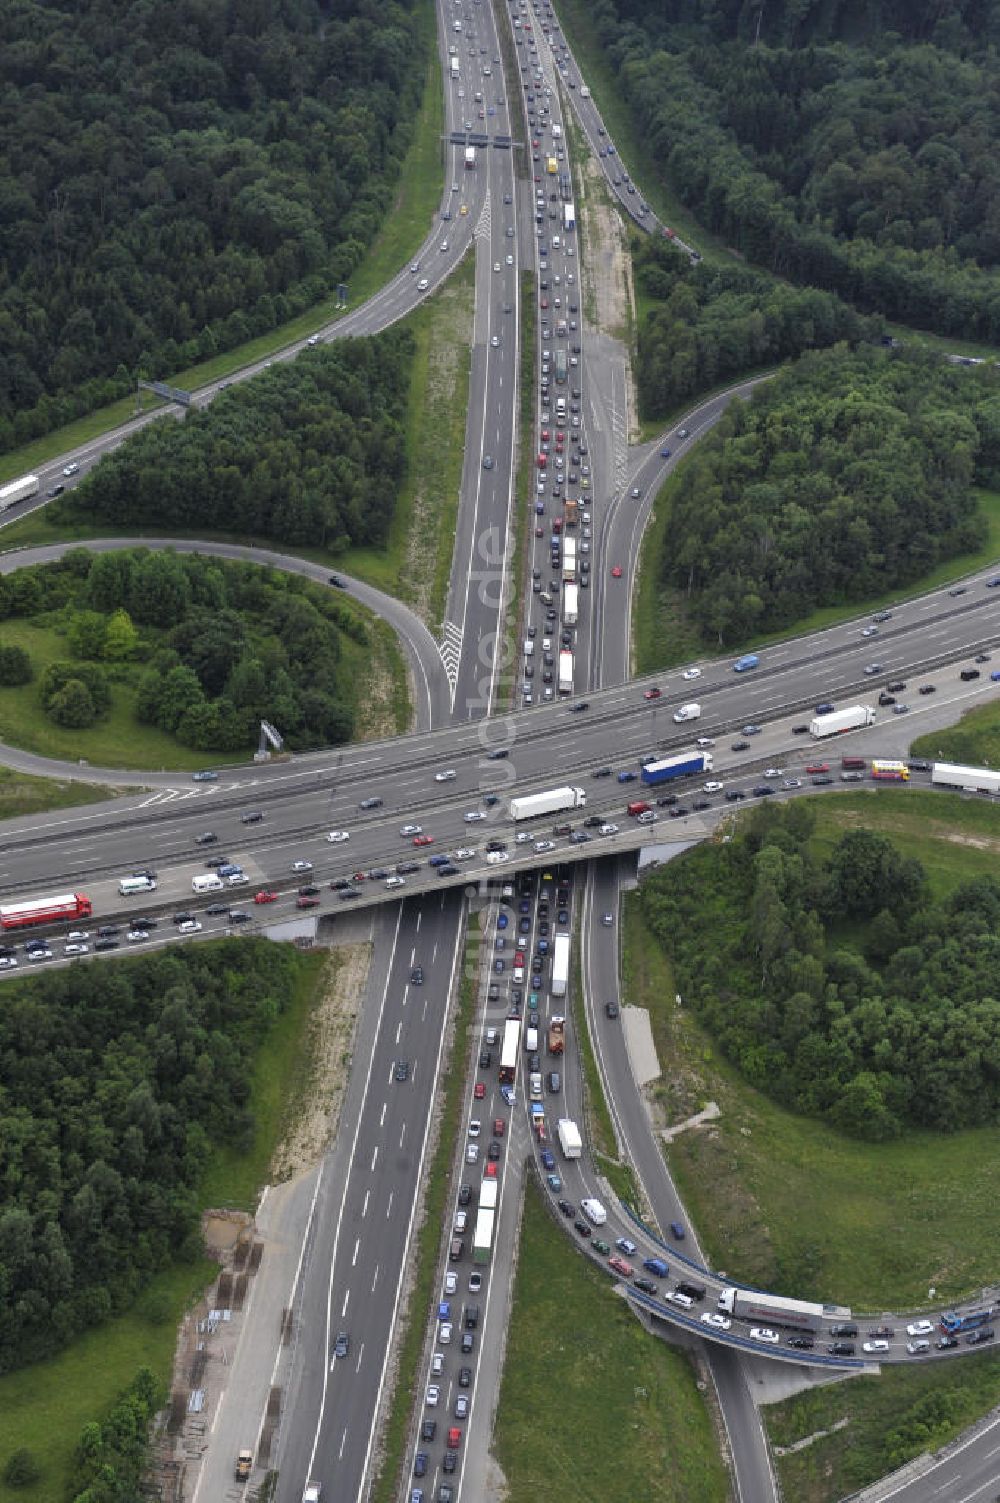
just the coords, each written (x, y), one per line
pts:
(519, 957)
(818, 767)
(490, 1171)
(620, 1266)
(423, 840)
(546, 435)
(543, 460)
(360, 876)
(265, 897)
(616, 572)
(499, 1127)
(480, 1090)
(307, 902)
(653, 694)
(543, 302)
(454, 1438)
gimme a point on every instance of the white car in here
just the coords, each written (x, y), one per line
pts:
(394, 882)
(869, 631)
(451, 1283)
(510, 260)
(472, 1153)
(607, 919)
(312, 341)
(496, 858)
(522, 837)
(496, 265)
(77, 936)
(705, 741)
(714, 786)
(423, 284)
(765, 1334)
(336, 837)
(474, 816)
(690, 674)
(412, 830)
(134, 937)
(85, 949)
(192, 926)
(875, 1346)
(540, 846)
(71, 469)
(608, 830)
(475, 1127)
(414, 266)
(792, 783)
(447, 776)
(717, 1322)
(433, 1394)
(8, 963)
(920, 1328)
(773, 772)
(444, 1332)
(465, 853)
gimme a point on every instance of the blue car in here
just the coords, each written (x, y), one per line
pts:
(664, 452)
(444, 1310)
(438, 860)
(548, 1162)
(502, 921)
(627, 777)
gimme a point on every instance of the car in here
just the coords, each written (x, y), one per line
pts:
(716, 1321)
(402, 1071)
(189, 926)
(205, 777)
(929, 688)
(879, 1345)
(207, 837)
(567, 1208)
(872, 668)
(901, 709)
(370, 803)
(342, 1344)
(487, 461)
(422, 840)
(802, 1343)
(71, 469)
(582, 1228)
(751, 730)
(411, 830)
(946, 1343)
(472, 1153)
(8, 963)
(920, 1328)
(918, 1348)
(337, 837)
(302, 866)
(765, 1335)
(305, 901)
(433, 1394)
(818, 767)
(958, 590)
(653, 694)
(616, 571)
(611, 1009)
(265, 895)
(841, 1348)
(474, 816)
(869, 631)
(78, 949)
(134, 937)
(690, 674)
(739, 746)
(625, 1246)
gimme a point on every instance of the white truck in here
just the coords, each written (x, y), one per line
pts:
(455, 67)
(565, 672)
(687, 712)
(488, 1191)
(594, 1211)
(569, 217)
(569, 1138)
(552, 801)
(470, 158)
(18, 490)
(773, 1309)
(570, 604)
(969, 779)
(837, 721)
(569, 560)
(560, 965)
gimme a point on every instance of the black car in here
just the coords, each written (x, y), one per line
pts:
(967, 674)
(464, 1377)
(485, 1058)
(579, 707)
(666, 800)
(611, 1009)
(403, 1069)
(417, 975)
(740, 746)
(145, 923)
(106, 944)
(468, 1341)
(403, 868)
(821, 781)
(800, 730)
(567, 1208)
(209, 837)
(593, 821)
(646, 1285)
(735, 794)
(450, 1461)
(946, 1343)
(465, 1195)
(801, 1343)
(342, 1344)
(420, 1460)
(428, 1429)
(108, 931)
(370, 803)
(927, 689)
(254, 817)
(601, 772)
(582, 1228)
(238, 917)
(214, 909)
(349, 892)
(309, 891)
(841, 1348)
(337, 582)
(919, 766)
(882, 1333)
(844, 1328)
(499, 754)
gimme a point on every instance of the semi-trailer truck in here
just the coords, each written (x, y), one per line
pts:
(837, 721)
(686, 764)
(570, 604)
(565, 672)
(772, 1309)
(560, 965)
(569, 217)
(552, 801)
(569, 560)
(569, 1138)
(561, 367)
(969, 779)
(18, 490)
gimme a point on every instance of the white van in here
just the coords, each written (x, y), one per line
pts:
(594, 1211)
(687, 712)
(208, 882)
(129, 886)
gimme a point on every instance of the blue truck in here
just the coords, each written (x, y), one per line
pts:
(683, 766)
(952, 1322)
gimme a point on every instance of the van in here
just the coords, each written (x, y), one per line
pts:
(692, 1290)
(657, 1266)
(745, 663)
(594, 1211)
(209, 882)
(687, 712)
(531, 1040)
(128, 886)
(535, 1086)
(684, 1300)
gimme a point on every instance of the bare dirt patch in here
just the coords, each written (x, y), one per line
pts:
(606, 270)
(329, 1045)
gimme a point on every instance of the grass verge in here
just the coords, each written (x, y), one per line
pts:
(631, 1421)
(890, 1419)
(406, 224)
(45, 1407)
(665, 636)
(974, 741)
(22, 793)
(813, 1213)
(438, 1192)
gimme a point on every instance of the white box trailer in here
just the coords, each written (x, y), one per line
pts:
(560, 965)
(969, 779)
(566, 672)
(470, 157)
(569, 560)
(571, 604)
(569, 217)
(18, 490)
(454, 67)
(569, 1138)
(838, 721)
(488, 1192)
(552, 801)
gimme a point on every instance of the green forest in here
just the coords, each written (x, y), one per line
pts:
(838, 986)
(312, 454)
(708, 324)
(849, 473)
(852, 147)
(117, 1080)
(176, 179)
(207, 648)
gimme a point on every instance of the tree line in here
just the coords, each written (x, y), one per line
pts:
(896, 1026)
(117, 1083)
(865, 167)
(178, 179)
(208, 649)
(312, 454)
(710, 323)
(849, 473)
